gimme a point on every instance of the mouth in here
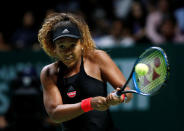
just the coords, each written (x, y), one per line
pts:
(70, 57)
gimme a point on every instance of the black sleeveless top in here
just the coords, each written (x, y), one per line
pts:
(79, 87)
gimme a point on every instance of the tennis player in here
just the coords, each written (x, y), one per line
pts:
(74, 86)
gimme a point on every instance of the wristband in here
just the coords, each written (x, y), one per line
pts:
(86, 105)
(123, 96)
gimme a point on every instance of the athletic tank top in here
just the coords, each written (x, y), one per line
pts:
(76, 88)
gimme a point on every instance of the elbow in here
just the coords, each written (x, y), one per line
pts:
(53, 116)
(57, 115)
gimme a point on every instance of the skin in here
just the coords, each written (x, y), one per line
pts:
(69, 51)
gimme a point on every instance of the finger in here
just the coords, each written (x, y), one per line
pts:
(109, 100)
(118, 89)
(111, 97)
(104, 100)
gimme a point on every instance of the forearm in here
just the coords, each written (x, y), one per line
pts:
(66, 112)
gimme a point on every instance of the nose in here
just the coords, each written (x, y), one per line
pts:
(68, 50)
(68, 53)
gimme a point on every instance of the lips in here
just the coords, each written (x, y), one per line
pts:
(69, 57)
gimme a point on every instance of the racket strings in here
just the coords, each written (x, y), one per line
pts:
(156, 75)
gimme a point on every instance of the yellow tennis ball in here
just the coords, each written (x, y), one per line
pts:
(141, 69)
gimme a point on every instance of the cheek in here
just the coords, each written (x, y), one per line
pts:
(77, 51)
(59, 53)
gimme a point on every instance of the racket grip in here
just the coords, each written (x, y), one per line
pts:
(117, 93)
(121, 95)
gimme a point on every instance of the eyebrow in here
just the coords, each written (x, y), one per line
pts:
(60, 44)
(62, 41)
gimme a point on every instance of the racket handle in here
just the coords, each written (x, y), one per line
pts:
(117, 93)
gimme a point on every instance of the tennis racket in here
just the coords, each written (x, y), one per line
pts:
(156, 60)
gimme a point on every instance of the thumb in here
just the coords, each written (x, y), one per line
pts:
(117, 89)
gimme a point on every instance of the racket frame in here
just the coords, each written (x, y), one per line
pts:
(132, 75)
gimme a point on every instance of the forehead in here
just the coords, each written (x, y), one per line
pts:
(66, 40)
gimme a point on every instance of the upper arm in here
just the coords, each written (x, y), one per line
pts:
(51, 94)
(110, 72)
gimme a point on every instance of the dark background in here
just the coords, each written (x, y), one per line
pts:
(166, 109)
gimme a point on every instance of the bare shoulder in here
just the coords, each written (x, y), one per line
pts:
(99, 56)
(100, 53)
(102, 58)
(49, 72)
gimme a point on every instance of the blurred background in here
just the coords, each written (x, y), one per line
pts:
(123, 28)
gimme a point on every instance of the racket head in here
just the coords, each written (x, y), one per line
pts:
(156, 60)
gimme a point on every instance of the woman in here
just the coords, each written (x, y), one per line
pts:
(74, 87)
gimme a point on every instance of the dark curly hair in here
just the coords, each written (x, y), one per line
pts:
(45, 33)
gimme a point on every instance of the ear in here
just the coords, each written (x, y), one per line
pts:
(81, 44)
(81, 41)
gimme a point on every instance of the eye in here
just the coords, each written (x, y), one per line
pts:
(62, 47)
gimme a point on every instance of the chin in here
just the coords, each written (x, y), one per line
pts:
(70, 64)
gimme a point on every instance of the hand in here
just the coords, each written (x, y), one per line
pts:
(114, 100)
(99, 103)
